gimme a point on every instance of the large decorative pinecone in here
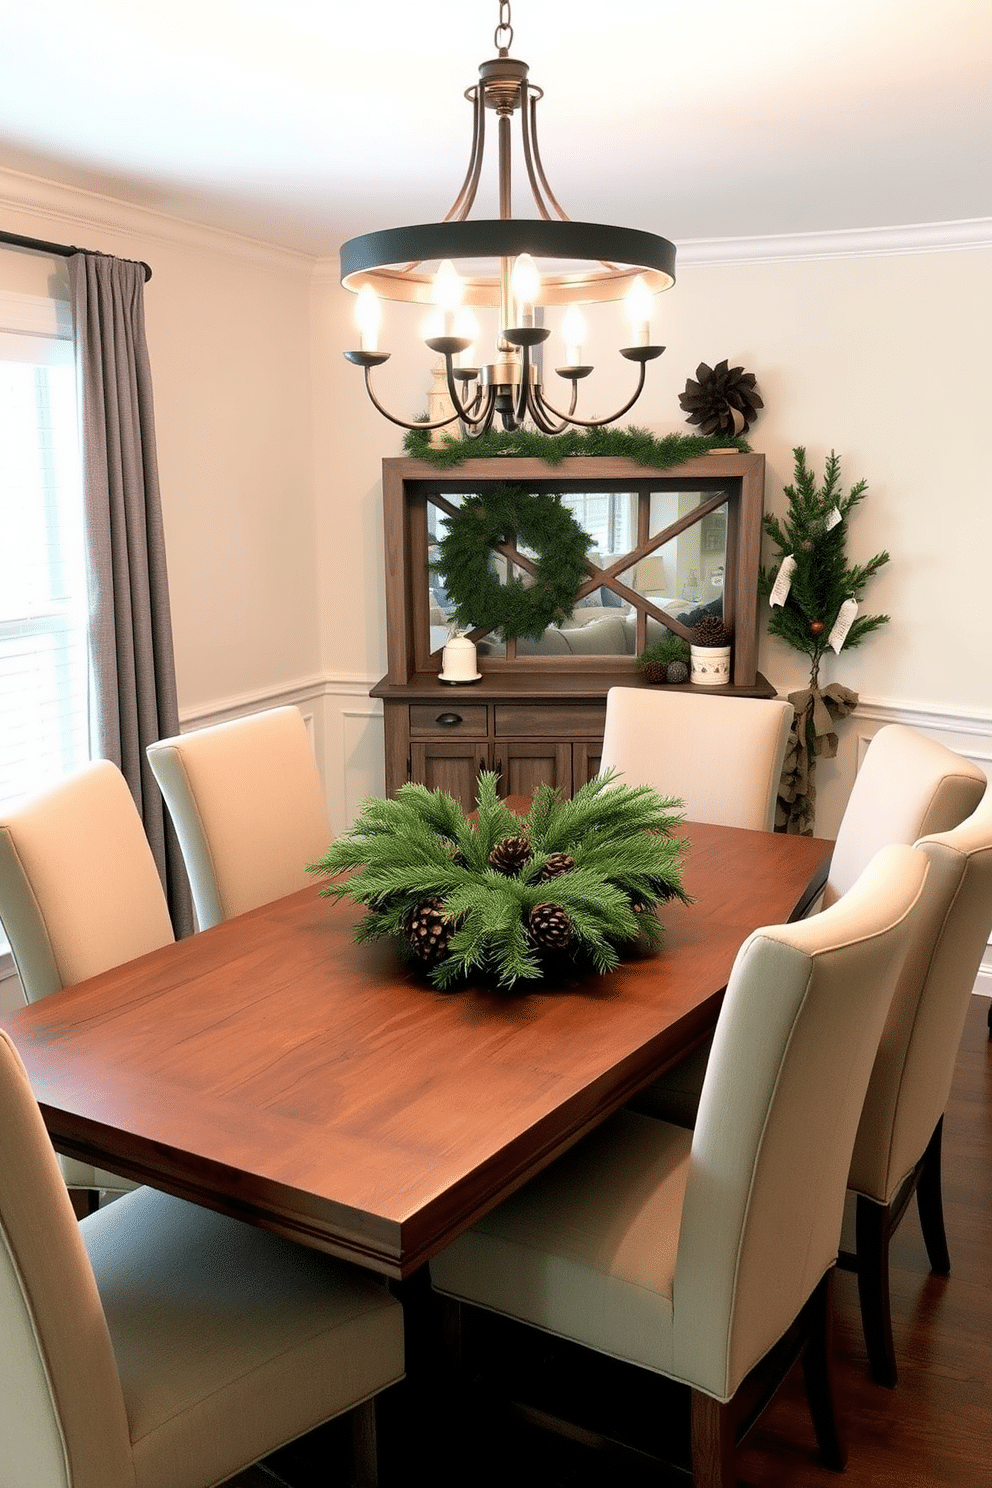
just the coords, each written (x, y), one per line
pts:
(721, 399)
(557, 864)
(710, 631)
(428, 932)
(510, 855)
(549, 926)
(654, 671)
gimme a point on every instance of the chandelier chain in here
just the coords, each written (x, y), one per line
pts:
(504, 27)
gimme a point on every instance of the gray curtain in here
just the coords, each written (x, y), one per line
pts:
(133, 668)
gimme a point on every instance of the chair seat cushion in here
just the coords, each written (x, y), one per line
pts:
(230, 1341)
(587, 1250)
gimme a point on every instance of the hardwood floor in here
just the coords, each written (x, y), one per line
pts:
(933, 1431)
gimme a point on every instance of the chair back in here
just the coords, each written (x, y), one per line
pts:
(62, 1416)
(908, 786)
(722, 756)
(911, 1079)
(248, 808)
(783, 1093)
(79, 889)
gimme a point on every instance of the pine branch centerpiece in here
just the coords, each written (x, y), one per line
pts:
(508, 897)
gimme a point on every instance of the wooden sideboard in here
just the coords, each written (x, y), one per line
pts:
(539, 719)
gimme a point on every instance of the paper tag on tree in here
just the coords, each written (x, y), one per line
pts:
(843, 623)
(783, 582)
(832, 520)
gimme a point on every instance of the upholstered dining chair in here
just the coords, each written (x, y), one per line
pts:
(908, 786)
(79, 893)
(704, 1255)
(898, 1145)
(248, 808)
(160, 1345)
(722, 756)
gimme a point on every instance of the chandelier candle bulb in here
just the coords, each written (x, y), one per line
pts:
(467, 326)
(639, 307)
(448, 292)
(368, 317)
(573, 329)
(525, 281)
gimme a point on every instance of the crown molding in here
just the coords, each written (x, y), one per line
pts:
(89, 213)
(861, 242)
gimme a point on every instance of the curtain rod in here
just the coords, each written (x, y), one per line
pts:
(60, 249)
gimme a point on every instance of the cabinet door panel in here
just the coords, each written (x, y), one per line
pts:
(523, 767)
(586, 761)
(451, 767)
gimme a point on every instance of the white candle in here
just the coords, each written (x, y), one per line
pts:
(525, 282)
(573, 328)
(368, 317)
(638, 302)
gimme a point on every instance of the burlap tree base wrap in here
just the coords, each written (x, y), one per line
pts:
(813, 734)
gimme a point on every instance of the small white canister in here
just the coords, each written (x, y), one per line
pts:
(459, 663)
(709, 665)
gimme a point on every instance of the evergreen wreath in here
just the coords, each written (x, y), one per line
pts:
(632, 443)
(510, 897)
(537, 521)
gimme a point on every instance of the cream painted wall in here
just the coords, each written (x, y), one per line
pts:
(229, 337)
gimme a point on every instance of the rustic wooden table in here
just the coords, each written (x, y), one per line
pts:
(272, 1069)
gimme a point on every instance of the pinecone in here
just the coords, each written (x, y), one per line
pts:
(654, 671)
(549, 926)
(678, 672)
(710, 631)
(428, 932)
(721, 399)
(558, 863)
(510, 855)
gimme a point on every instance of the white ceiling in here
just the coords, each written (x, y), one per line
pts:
(303, 122)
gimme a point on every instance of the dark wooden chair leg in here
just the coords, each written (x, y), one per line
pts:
(818, 1377)
(84, 1201)
(930, 1203)
(364, 1446)
(712, 1443)
(873, 1233)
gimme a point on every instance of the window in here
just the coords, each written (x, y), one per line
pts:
(44, 673)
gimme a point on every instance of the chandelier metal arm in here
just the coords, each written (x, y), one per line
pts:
(403, 423)
(598, 423)
(473, 421)
(540, 188)
(462, 204)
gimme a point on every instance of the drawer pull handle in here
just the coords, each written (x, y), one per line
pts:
(449, 720)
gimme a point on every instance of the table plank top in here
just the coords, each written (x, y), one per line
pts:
(272, 1068)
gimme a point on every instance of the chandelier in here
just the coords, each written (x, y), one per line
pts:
(516, 265)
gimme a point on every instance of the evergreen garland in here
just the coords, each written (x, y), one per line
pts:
(580, 879)
(635, 444)
(537, 521)
(823, 578)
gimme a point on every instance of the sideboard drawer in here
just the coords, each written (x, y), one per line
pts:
(550, 720)
(440, 720)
